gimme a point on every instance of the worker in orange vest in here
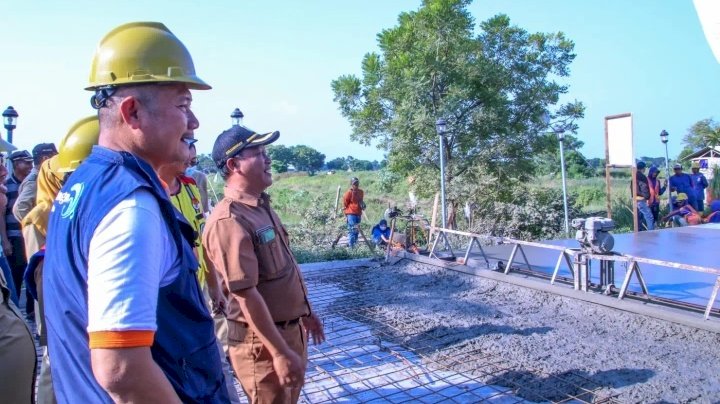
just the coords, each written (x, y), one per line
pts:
(656, 190)
(354, 205)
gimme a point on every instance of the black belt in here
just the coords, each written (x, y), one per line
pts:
(279, 324)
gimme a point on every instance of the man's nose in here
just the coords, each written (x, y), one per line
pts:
(193, 122)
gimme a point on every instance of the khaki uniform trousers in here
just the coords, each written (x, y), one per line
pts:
(253, 363)
(17, 357)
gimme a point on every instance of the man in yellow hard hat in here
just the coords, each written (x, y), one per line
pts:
(74, 148)
(700, 183)
(125, 317)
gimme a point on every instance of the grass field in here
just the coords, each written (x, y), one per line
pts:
(305, 204)
(293, 193)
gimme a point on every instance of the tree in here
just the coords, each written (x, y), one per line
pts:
(548, 160)
(703, 133)
(281, 157)
(206, 163)
(305, 158)
(362, 165)
(337, 164)
(491, 88)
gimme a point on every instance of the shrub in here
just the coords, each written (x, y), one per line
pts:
(311, 238)
(531, 214)
(588, 196)
(388, 180)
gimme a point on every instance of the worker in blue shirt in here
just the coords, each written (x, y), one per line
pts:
(381, 233)
(700, 183)
(714, 216)
(682, 183)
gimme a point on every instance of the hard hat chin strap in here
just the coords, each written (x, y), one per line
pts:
(101, 96)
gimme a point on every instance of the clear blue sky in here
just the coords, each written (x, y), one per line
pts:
(275, 61)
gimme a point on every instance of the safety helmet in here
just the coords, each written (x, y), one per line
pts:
(695, 164)
(682, 196)
(142, 52)
(77, 144)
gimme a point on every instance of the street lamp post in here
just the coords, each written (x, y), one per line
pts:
(10, 122)
(237, 117)
(560, 133)
(664, 139)
(561, 139)
(441, 127)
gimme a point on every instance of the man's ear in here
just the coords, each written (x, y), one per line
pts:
(232, 165)
(128, 109)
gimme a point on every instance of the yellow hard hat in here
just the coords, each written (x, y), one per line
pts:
(142, 52)
(682, 196)
(77, 144)
(695, 164)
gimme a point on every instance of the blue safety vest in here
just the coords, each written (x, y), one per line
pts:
(184, 346)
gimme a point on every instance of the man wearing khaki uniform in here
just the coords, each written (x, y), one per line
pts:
(269, 315)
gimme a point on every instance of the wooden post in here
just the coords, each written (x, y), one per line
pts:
(608, 198)
(337, 200)
(633, 195)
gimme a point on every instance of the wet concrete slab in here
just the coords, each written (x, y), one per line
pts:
(694, 245)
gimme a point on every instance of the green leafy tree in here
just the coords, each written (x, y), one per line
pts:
(206, 163)
(361, 165)
(703, 133)
(305, 158)
(548, 160)
(337, 164)
(492, 89)
(281, 157)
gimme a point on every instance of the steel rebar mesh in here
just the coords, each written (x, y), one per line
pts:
(375, 354)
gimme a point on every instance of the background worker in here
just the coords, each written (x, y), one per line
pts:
(643, 197)
(354, 205)
(269, 314)
(714, 216)
(699, 183)
(14, 249)
(680, 182)
(655, 192)
(17, 352)
(74, 148)
(200, 179)
(28, 189)
(682, 213)
(126, 320)
(185, 197)
(381, 233)
(13, 293)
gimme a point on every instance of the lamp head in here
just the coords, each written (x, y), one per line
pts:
(664, 136)
(10, 118)
(441, 126)
(237, 117)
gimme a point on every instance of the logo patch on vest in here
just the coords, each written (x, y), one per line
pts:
(70, 200)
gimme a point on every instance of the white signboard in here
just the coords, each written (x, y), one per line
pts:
(709, 14)
(619, 140)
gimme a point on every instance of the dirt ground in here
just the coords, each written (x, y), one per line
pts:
(543, 339)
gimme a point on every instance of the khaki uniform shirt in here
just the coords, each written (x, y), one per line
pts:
(249, 247)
